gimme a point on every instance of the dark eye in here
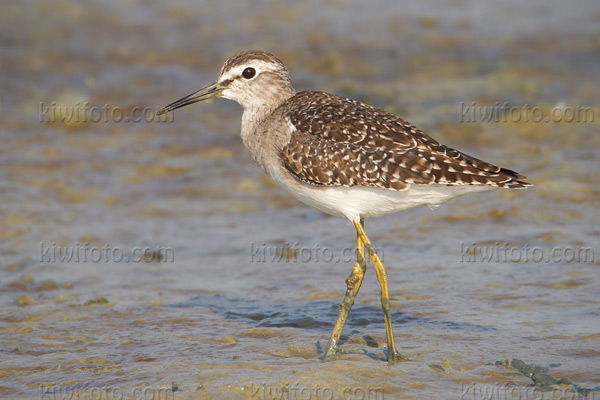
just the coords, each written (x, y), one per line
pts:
(249, 73)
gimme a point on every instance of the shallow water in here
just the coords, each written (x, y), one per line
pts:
(241, 285)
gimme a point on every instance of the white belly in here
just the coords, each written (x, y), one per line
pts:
(359, 202)
(365, 202)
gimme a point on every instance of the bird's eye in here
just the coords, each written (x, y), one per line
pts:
(249, 73)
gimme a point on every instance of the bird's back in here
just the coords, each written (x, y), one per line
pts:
(335, 141)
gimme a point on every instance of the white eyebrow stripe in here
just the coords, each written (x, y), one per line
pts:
(258, 65)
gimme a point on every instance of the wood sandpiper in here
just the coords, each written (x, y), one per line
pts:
(345, 158)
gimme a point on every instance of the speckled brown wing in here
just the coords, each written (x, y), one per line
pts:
(342, 142)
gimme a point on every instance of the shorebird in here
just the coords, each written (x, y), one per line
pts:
(344, 158)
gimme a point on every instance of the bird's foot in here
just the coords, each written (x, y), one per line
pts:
(394, 357)
(331, 349)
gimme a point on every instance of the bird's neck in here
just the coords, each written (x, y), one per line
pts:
(260, 142)
(256, 112)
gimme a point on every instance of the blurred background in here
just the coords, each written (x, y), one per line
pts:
(232, 293)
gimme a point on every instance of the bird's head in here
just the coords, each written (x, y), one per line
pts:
(254, 79)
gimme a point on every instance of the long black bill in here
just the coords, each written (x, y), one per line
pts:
(208, 92)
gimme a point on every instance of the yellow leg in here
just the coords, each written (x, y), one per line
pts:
(353, 286)
(393, 356)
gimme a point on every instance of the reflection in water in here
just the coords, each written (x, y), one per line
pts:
(312, 314)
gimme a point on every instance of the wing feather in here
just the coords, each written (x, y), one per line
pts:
(342, 142)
